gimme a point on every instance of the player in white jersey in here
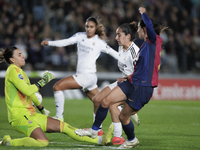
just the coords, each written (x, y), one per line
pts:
(126, 34)
(90, 44)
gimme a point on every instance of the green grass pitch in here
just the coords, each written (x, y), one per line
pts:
(165, 125)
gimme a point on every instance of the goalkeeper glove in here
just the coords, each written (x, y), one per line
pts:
(44, 111)
(47, 77)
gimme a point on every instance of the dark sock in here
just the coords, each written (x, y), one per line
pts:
(129, 130)
(100, 116)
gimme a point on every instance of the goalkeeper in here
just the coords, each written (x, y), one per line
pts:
(19, 95)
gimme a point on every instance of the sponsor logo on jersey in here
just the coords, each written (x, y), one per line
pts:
(29, 121)
(93, 43)
(131, 100)
(121, 66)
(20, 76)
(84, 48)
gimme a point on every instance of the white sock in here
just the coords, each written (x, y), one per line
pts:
(120, 108)
(117, 129)
(100, 139)
(59, 102)
(8, 143)
(94, 115)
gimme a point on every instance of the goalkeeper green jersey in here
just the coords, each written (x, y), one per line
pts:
(19, 94)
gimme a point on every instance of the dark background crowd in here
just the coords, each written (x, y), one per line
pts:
(25, 23)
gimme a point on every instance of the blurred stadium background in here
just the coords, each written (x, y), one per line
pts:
(26, 23)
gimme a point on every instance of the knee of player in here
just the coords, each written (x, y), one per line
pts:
(56, 87)
(95, 100)
(105, 103)
(113, 108)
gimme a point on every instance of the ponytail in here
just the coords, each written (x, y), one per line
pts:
(6, 54)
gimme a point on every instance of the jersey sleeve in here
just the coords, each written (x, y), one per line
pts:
(149, 27)
(65, 42)
(35, 100)
(107, 49)
(15, 76)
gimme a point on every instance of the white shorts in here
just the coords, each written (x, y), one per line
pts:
(88, 81)
(112, 85)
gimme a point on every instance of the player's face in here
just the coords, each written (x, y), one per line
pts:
(18, 58)
(121, 38)
(90, 28)
(140, 31)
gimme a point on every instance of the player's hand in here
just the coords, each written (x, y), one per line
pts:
(43, 43)
(120, 80)
(142, 10)
(45, 112)
(47, 77)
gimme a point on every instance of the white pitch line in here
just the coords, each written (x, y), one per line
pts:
(89, 146)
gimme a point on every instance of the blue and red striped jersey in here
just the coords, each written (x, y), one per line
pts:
(148, 64)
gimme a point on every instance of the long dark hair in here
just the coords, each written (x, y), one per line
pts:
(158, 28)
(6, 54)
(100, 27)
(130, 28)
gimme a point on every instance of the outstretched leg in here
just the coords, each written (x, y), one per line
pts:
(59, 87)
(54, 125)
(36, 139)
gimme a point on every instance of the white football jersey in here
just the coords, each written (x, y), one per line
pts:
(127, 59)
(88, 50)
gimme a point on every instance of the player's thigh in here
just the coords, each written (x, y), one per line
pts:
(66, 83)
(115, 96)
(127, 111)
(47, 123)
(112, 85)
(53, 125)
(103, 93)
(41, 120)
(92, 93)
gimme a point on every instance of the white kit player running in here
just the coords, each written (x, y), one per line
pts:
(90, 44)
(126, 34)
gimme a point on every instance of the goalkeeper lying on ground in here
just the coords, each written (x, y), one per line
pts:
(19, 95)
